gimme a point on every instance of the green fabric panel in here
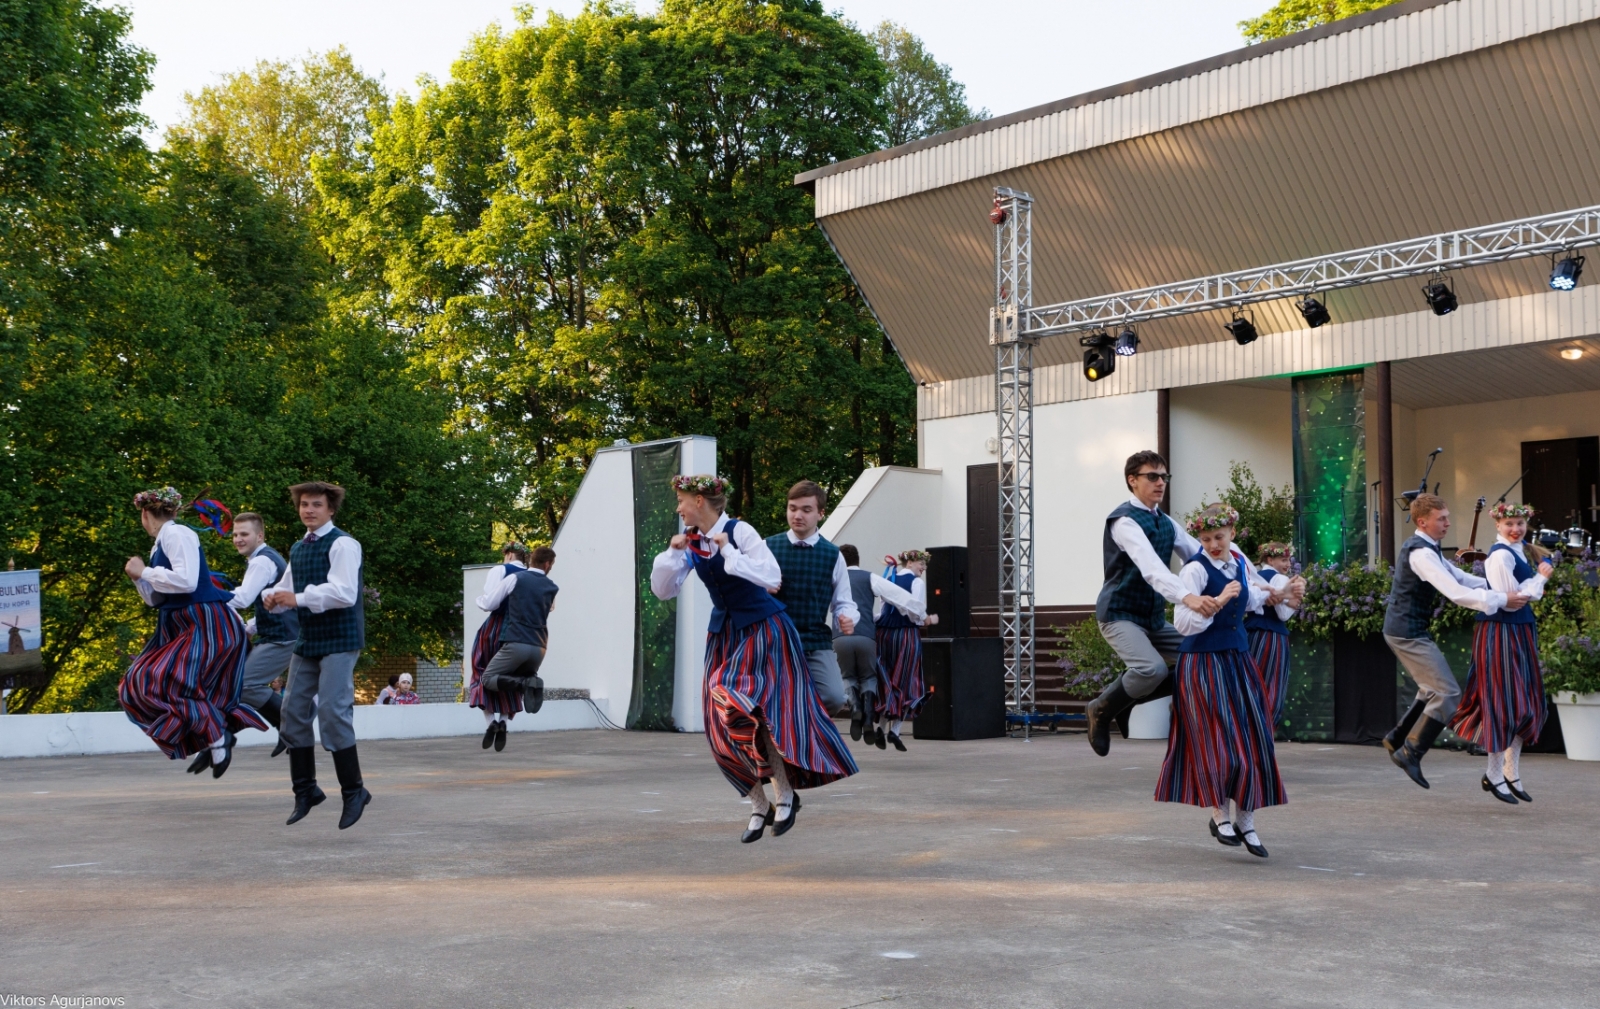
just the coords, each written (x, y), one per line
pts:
(655, 625)
(1330, 468)
(1308, 708)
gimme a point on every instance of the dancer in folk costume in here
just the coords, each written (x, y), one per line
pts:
(1421, 576)
(526, 597)
(183, 688)
(1220, 749)
(900, 648)
(1268, 628)
(1504, 706)
(763, 719)
(815, 588)
(324, 585)
(498, 707)
(857, 648)
(272, 634)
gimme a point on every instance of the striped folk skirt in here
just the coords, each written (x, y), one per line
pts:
(1269, 653)
(900, 657)
(484, 647)
(1504, 696)
(183, 689)
(758, 676)
(1221, 742)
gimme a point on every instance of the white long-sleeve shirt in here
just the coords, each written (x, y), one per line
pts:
(257, 576)
(1193, 578)
(745, 555)
(844, 604)
(181, 545)
(1278, 581)
(1501, 571)
(1454, 584)
(339, 592)
(917, 608)
(496, 586)
(1127, 534)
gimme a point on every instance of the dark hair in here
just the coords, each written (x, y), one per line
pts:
(543, 557)
(332, 491)
(250, 517)
(516, 550)
(1138, 461)
(812, 489)
(394, 679)
(852, 556)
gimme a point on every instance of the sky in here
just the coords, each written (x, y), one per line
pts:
(1011, 54)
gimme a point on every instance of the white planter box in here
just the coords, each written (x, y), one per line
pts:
(1580, 724)
(1151, 720)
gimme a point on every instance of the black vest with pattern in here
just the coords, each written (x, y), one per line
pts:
(1125, 594)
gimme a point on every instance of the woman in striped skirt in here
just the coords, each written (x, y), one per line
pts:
(1267, 625)
(498, 706)
(763, 719)
(1503, 706)
(899, 635)
(1220, 749)
(183, 688)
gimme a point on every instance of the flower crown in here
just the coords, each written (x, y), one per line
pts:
(1272, 551)
(704, 484)
(913, 556)
(165, 499)
(514, 547)
(1199, 521)
(1507, 510)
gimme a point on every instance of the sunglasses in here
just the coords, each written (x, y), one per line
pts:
(1155, 477)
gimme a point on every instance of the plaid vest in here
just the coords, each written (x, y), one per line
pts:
(807, 591)
(1411, 600)
(278, 628)
(332, 631)
(1125, 594)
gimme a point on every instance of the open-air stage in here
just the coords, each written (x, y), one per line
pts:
(603, 869)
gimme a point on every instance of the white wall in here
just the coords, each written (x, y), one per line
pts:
(889, 509)
(1216, 425)
(694, 613)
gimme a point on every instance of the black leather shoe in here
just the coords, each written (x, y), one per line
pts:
(1515, 784)
(880, 740)
(1257, 849)
(283, 744)
(1500, 790)
(782, 827)
(489, 734)
(1409, 756)
(499, 736)
(303, 804)
(348, 767)
(894, 737)
(533, 695)
(228, 741)
(1102, 712)
(303, 773)
(354, 804)
(1398, 734)
(750, 836)
(201, 761)
(1231, 840)
(855, 728)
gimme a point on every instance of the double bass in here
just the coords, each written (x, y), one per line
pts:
(1471, 554)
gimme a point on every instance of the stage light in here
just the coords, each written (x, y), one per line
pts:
(1572, 353)
(1128, 343)
(1315, 312)
(1440, 297)
(1098, 359)
(1564, 275)
(1243, 328)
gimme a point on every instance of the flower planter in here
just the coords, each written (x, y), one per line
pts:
(1151, 720)
(1580, 724)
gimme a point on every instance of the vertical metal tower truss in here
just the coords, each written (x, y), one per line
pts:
(1013, 408)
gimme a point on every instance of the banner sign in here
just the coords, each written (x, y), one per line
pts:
(20, 659)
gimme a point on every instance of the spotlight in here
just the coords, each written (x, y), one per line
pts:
(1098, 359)
(1315, 312)
(1572, 354)
(1564, 275)
(1243, 328)
(1127, 344)
(1440, 297)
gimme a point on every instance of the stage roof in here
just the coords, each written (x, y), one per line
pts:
(1422, 117)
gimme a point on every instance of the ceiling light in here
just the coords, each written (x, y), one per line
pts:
(1098, 359)
(1243, 328)
(1564, 275)
(1441, 298)
(1127, 344)
(1315, 312)
(1572, 353)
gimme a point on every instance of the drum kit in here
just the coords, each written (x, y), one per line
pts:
(1574, 541)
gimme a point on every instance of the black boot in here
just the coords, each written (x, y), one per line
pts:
(1409, 757)
(355, 794)
(272, 711)
(1166, 688)
(1398, 734)
(303, 772)
(1102, 711)
(532, 694)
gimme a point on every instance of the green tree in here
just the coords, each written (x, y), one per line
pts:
(1266, 514)
(1289, 16)
(921, 97)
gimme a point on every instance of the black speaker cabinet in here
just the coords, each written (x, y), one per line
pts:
(949, 593)
(966, 689)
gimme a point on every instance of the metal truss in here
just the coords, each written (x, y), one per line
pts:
(1533, 236)
(1013, 404)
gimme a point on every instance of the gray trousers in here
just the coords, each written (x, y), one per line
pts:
(1435, 682)
(858, 662)
(824, 667)
(1146, 653)
(514, 659)
(325, 689)
(268, 660)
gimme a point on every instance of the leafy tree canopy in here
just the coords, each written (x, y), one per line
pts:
(921, 97)
(1289, 16)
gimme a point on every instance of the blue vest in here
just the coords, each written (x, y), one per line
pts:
(807, 591)
(204, 590)
(279, 628)
(861, 593)
(1411, 600)
(892, 617)
(732, 598)
(508, 571)
(1226, 632)
(332, 631)
(1521, 570)
(1266, 620)
(1125, 594)
(527, 608)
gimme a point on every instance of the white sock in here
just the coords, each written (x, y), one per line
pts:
(499, 716)
(1220, 817)
(1514, 760)
(894, 730)
(488, 718)
(758, 803)
(219, 749)
(1247, 821)
(780, 775)
(1497, 760)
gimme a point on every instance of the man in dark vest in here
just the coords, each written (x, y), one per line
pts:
(273, 634)
(815, 586)
(1421, 576)
(323, 585)
(528, 595)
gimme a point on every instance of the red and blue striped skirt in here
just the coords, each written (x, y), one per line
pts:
(1269, 653)
(1504, 696)
(484, 647)
(758, 676)
(900, 658)
(1221, 742)
(183, 688)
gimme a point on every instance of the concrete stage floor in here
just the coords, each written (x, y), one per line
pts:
(603, 869)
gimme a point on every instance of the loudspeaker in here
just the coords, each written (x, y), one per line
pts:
(949, 593)
(966, 684)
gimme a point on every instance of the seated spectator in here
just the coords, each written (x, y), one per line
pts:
(406, 694)
(387, 694)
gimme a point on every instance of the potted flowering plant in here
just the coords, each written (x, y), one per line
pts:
(1569, 653)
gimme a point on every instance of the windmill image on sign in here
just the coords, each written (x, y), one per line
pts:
(14, 645)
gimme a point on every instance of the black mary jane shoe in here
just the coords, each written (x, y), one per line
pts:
(283, 744)
(855, 729)
(228, 742)
(1231, 840)
(782, 827)
(1257, 849)
(1515, 784)
(499, 736)
(753, 834)
(201, 761)
(894, 737)
(489, 734)
(1499, 789)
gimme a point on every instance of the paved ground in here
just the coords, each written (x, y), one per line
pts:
(603, 869)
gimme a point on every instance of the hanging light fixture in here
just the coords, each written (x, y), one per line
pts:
(1315, 312)
(1441, 297)
(1098, 358)
(1564, 275)
(1127, 343)
(1242, 327)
